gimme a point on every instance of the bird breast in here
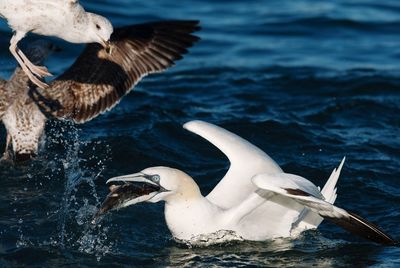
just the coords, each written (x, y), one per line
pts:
(186, 220)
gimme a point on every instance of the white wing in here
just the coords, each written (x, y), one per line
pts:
(308, 219)
(299, 190)
(329, 190)
(246, 161)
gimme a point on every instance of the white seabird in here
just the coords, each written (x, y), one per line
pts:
(94, 84)
(256, 200)
(65, 19)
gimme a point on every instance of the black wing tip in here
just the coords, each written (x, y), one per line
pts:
(182, 29)
(363, 228)
(191, 23)
(374, 232)
(187, 27)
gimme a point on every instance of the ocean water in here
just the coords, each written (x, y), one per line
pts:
(307, 81)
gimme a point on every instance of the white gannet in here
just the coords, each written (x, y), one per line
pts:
(255, 199)
(65, 19)
(94, 84)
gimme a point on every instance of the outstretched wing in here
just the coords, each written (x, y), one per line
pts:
(98, 80)
(298, 189)
(246, 161)
(4, 101)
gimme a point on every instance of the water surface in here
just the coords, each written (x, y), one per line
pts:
(307, 81)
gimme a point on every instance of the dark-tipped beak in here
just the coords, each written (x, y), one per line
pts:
(128, 190)
(107, 46)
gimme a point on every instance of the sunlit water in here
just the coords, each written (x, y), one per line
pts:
(307, 81)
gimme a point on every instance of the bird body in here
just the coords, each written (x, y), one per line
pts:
(255, 200)
(65, 19)
(25, 125)
(19, 113)
(94, 84)
(189, 218)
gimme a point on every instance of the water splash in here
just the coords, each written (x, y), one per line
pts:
(204, 240)
(95, 241)
(80, 199)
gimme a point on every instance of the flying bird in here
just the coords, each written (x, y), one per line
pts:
(65, 19)
(94, 84)
(256, 199)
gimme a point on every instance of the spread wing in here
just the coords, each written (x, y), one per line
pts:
(98, 80)
(301, 191)
(246, 160)
(3, 97)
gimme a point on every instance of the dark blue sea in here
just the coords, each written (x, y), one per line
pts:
(307, 81)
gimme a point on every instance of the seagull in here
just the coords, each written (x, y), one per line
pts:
(94, 84)
(255, 199)
(65, 19)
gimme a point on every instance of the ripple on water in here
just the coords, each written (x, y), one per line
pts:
(307, 81)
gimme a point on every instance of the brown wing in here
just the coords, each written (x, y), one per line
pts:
(97, 80)
(4, 101)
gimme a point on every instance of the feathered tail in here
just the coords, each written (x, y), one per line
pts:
(309, 219)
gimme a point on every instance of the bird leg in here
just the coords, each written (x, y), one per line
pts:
(40, 71)
(14, 51)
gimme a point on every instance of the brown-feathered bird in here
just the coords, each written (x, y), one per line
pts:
(94, 84)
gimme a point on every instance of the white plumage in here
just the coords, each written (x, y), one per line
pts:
(65, 19)
(256, 200)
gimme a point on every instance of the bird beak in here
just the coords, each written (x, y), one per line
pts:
(128, 190)
(107, 46)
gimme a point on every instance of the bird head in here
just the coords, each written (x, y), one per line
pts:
(150, 185)
(100, 30)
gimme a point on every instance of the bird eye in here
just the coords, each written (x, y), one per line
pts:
(98, 27)
(155, 178)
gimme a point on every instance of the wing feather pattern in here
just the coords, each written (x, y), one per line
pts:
(97, 80)
(291, 186)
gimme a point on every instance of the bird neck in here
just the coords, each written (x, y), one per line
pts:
(191, 215)
(187, 192)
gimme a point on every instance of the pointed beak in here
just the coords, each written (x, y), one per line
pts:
(106, 45)
(128, 190)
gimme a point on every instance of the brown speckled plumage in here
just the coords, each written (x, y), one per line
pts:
(97, 80)
(3, 97)
(22, 118)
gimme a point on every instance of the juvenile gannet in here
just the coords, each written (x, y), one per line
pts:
(255, 199)
(65, 19)
(94, 84)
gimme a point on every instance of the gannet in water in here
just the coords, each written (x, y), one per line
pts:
(255, 199)
(94, 84)
(65, 19)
